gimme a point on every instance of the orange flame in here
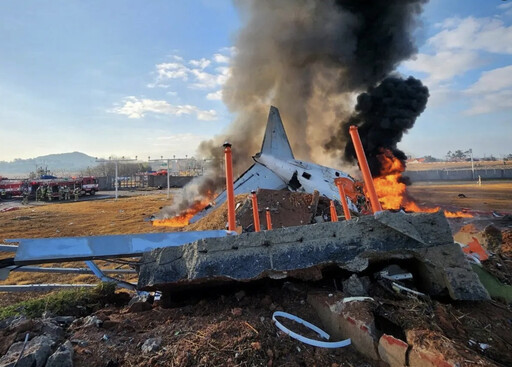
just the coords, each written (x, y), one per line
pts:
(392, 191)
(182, 219)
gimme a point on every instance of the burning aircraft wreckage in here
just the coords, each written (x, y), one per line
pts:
(368, 234)
(306, 251)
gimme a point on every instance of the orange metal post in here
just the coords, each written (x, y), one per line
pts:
(255, 213)
(363, 164)
(229, 187)
(343, 198)
(269, 220)
(334, 215)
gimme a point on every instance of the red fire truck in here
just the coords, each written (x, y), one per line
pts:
(12, 188)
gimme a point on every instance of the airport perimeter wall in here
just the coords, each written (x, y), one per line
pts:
(460, 174)
(174, 181)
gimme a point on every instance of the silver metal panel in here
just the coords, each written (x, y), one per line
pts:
(120, 283)
(42, 287)
(256, 177)
(37, 251)
(37, 269)
(8, 248)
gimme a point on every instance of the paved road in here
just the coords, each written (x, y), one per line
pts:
(100, 195)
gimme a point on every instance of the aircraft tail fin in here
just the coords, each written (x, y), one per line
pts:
(275, 141)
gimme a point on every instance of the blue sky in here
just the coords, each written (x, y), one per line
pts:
(144, 77)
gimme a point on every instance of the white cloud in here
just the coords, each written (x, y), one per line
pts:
(205, 80)
(202, 63)
(172, 70)
(491, 102)
(458, 47)
(444, 65)
(199, 74)
(215, 96)
(221, 59)
(493, 80)
(492, 92)
(135, 108)
(482, 34)
(505, 6)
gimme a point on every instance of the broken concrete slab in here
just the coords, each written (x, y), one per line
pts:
(63, 356)
(344, 320)
(303, 252)
(355, 286)
(35, 353)
(457, 277)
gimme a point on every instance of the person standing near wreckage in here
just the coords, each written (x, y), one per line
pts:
(49, 192)
(25, 194)
(39, 192)
(76, 191)
(67, 195)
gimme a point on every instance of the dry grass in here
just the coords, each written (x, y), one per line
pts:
(488, 197)
(126, 215)
(456, 165)
(87, 218)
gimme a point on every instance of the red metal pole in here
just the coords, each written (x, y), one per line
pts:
(269, 220)
(363, 164)
(229, 187)
(334, 215)
(343, 198)
(255, 212)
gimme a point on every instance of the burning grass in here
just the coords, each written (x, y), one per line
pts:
(183, 218)
(392, 189)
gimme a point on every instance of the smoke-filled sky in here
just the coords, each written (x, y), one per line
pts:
(105, 78)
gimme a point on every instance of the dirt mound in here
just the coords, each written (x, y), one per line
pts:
(287, 209)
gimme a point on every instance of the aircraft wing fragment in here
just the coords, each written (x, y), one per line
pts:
(256, 177)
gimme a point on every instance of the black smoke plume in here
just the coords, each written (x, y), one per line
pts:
(383, 115)
(308, 57)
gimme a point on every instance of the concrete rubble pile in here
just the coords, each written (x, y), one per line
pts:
(304, 252)
(412, 256)
(35, 342)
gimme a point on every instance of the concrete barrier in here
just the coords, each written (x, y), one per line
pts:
(460, 174)
(174, 181)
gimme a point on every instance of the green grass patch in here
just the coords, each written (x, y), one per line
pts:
(496, 289)
(75, 302)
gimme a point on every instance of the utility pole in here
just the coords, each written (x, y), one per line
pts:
(168, 160)
(472, 163)
(116, 161)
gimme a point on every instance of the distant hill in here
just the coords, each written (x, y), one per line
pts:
(59, 164)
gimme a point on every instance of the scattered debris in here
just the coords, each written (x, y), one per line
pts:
(355, 286)
(303, 339)
(303, 252)
(400, 288)
(62, 357)
(151, 345)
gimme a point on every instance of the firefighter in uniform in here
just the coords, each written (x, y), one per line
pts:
(39, 191)
(49, 192)
(61, 193)
(66, 193)
(25, 195)
(76, 191)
